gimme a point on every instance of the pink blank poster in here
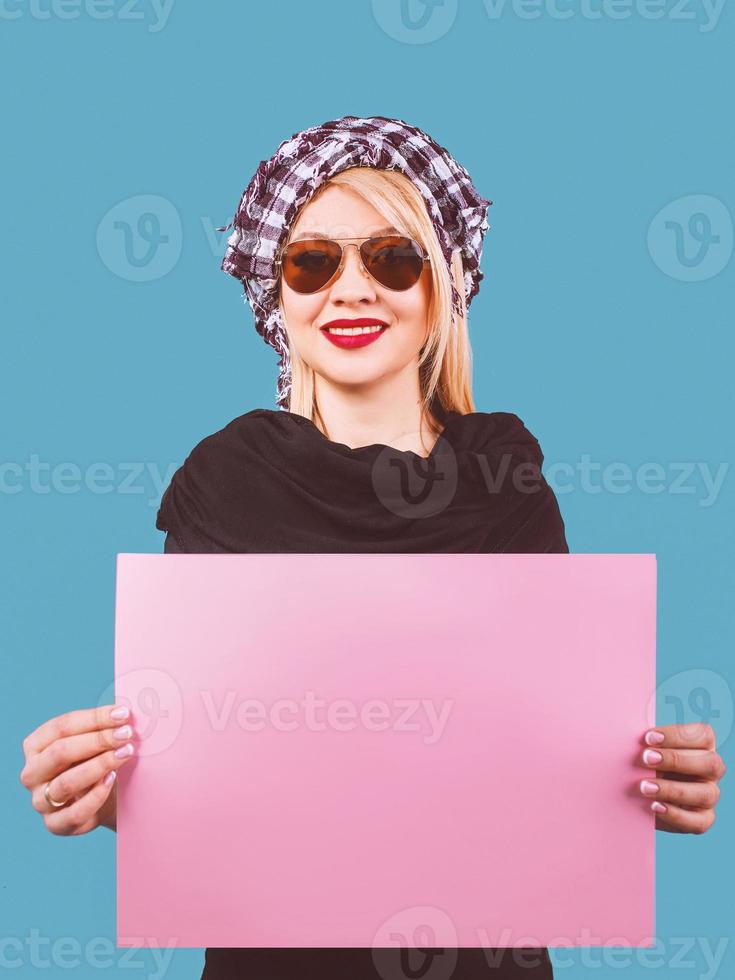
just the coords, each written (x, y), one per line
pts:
(359, 750)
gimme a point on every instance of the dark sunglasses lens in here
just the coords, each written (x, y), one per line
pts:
(309, 265)
(396, 262)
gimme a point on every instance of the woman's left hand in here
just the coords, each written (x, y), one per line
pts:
(683, 785)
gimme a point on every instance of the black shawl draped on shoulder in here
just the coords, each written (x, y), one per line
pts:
(271, 481)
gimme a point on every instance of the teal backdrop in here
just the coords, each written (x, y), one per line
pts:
(599, 129)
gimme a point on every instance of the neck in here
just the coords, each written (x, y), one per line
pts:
(387, 412)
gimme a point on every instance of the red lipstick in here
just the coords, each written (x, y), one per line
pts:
(349, 341)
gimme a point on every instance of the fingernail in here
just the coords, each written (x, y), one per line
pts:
(109, 778)
(125, 732)
(124, 750)
(648, 787)
(654, 738)
(120, 712)
(658, 807)
(651, 756)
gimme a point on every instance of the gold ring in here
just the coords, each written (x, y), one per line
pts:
(48, 798)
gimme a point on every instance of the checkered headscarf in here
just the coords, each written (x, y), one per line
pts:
(281, 185)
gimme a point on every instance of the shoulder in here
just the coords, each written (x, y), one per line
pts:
(505, 458)
(241, 431)
(496, 432)
(219, 471)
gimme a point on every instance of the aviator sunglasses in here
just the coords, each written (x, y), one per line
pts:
(394, 261)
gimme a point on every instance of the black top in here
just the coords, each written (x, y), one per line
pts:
(271, 481)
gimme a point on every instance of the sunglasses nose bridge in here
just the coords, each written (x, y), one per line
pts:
(343, 256)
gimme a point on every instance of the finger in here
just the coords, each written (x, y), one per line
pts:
(700, 795)
(696, 735)
(66, 752)
(79, 817)
(683, 821)
(700, 763)
(74, 723)
(76, 781)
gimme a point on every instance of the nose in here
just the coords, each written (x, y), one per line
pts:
(353, 281)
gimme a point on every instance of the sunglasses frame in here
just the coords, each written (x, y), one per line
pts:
(353, 241)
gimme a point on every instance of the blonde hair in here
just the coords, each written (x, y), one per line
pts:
(445, 361)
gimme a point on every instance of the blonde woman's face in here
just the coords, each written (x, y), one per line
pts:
(340, 213)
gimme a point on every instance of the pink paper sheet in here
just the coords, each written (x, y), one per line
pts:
(470, 777)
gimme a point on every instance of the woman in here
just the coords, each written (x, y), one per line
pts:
(358, 244)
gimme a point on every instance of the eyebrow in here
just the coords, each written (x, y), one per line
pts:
(304, 235)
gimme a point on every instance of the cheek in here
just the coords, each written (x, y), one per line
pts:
(300, 312)
(412, 311)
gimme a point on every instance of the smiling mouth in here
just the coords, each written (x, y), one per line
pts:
(355, 331)
(354, 328)
(354, 335)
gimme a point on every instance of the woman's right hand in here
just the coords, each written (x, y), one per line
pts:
(77, 754)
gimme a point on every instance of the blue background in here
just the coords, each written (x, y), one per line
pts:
(580, 130)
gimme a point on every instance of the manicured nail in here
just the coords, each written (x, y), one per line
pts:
(109, 778)
(125, 732)
(124, 750)
(654, 738)
(658, 807)
(648, 787)
(651, 757)
(120, 712)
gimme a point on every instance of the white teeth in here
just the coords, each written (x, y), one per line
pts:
(351, 331)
